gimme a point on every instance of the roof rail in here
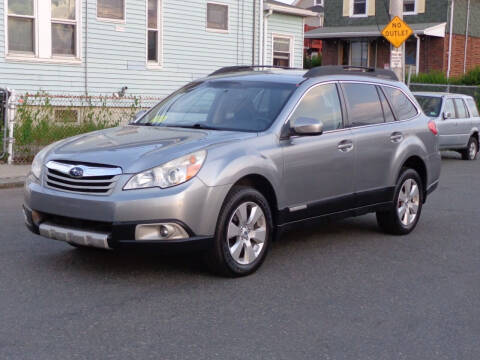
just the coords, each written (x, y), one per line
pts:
(349, 69)
(238, 68)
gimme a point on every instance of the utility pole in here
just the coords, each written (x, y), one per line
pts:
(397, 55)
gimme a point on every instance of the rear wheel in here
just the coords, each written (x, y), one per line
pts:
(405, 211)
(243, 233)
(470, 153)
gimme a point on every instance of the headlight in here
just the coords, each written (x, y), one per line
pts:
(170, 174)
(38, 160)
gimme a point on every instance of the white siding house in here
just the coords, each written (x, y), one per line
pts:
(152, 47)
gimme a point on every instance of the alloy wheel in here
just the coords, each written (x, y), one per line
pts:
(246, 233)
(472, 150)
(408, 202)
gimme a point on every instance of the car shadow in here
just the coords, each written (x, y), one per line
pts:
(123, 263)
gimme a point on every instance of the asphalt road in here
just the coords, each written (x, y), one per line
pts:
(342, 291)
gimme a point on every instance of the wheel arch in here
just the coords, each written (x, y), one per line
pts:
(416, 163)
(265, 187)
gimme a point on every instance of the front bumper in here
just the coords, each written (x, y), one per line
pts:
(106, 236)
(85, 219)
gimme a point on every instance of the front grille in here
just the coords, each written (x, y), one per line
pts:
(57, 177)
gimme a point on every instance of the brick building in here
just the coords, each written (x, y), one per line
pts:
(352, 34)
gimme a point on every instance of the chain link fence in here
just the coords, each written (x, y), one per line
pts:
(42, 119)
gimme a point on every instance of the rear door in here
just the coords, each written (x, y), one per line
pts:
(376, 136)
(447, 127)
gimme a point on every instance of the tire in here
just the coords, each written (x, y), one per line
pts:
(470, 153)
(399, 220)
(238, 247)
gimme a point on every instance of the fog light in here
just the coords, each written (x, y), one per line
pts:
(36, 217)
(162, 231)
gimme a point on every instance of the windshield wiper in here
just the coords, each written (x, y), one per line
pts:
(194, 126)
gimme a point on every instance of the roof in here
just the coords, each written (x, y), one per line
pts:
(283, 8)
(438, 94)
(336, 32)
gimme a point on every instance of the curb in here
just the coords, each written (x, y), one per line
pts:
(8, 183)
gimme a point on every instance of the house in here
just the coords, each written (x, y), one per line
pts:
(352, 34)
(142, 47)
(313, 47)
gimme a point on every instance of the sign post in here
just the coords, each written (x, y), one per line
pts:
(397, 32)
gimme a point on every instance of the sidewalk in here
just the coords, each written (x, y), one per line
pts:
(13, 175)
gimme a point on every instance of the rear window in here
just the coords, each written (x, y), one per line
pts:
(473, 107)
(402, 106)
(431, 105)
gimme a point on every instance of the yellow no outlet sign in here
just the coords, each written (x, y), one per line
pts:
(397, 32)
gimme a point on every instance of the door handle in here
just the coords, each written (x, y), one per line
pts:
(345, 146)
(396, 137)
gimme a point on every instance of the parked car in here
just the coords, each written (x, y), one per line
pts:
(457, 120)
(226, 162)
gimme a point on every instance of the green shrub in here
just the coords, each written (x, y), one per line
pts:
(472, 77)
(39, 123)
(311, 62)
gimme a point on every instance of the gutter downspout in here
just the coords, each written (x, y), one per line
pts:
(265, 33)
(467, 30)
(86, 47)
(253, 30)
(417, 59)
(260, 37)
(452, 10)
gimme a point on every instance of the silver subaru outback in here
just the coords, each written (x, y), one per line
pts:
(227, 162)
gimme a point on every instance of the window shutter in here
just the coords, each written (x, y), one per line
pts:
(371, 7)
(346, 7)
(420, 6)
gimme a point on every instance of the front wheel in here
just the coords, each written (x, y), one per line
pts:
(470, 153)
(243, 234)
(405, 211)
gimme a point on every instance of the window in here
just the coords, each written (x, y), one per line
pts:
(321, 103)
(401, 104)
(450, 108)
(64, 25)
(431, 105)
(21, 26)
(359, 8)
(461, 110)
(282, 51)
(66, 115)
(217, 17)
(387, 110)
(473, 107)
(227, 105)
(363, 104)
(111, 9)
(38, 31)
(409, 6)
(154, 31)
(319, 2)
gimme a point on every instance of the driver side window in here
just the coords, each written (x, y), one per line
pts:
(321, 103)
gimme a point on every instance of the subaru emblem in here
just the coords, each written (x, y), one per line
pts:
(76, 172)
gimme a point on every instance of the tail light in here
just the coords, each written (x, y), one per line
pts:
(433, 127)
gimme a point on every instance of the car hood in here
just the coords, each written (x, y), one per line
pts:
(137, 148)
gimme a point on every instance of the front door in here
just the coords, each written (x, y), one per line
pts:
(448, 127)
(318, 170)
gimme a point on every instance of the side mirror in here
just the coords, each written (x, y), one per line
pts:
(304, 126)
(447, 115)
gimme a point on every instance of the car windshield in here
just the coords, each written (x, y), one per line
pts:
(431, 105)
(221, 105)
